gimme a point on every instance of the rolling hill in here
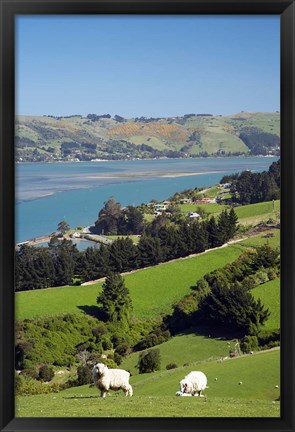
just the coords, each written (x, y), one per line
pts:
(78, 138)
(154, 394)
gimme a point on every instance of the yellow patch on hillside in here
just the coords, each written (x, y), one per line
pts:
(167, 131)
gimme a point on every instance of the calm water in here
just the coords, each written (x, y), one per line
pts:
(49, 193)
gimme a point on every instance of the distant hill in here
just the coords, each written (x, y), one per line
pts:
(75, 137)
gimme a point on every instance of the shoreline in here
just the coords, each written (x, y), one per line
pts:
(146, 159)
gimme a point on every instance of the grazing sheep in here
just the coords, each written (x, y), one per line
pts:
(107, 379)
(194, 383)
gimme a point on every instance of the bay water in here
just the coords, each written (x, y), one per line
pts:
(49, 193)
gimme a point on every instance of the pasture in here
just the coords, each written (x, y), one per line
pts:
(154, 393)
(184, 349)
(260, 239)
(269, 294)
(153, 290)
(254, 214)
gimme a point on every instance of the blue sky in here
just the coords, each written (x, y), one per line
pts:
(147, 65)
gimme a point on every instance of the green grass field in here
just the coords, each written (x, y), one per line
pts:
(153, 290)
(253, 214)
(269, 294)
(260, 239)
(182, 349)
(154, 394)
(213, 209)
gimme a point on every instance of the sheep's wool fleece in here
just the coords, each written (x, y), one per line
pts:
(197, 381)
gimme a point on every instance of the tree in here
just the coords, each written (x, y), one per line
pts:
(96, 263)
(64, 263)
(233, 307)
(233, 223)
(63, 227)
(266, 257)
(115, 300)
(131, 221)
(149, 251)
(34, 268)
(122, 255)
(46, 373)
(108, 217)
(149, 361)
(213, 233)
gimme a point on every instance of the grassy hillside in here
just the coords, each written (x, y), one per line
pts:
(184, 349)
(152, 290)
(256, 213)
(269, 294)
(76, 137)
(154, 394)
(261, 239)
(196, 345)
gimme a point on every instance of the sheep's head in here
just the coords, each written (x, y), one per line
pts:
(185, 386)
(99, 369)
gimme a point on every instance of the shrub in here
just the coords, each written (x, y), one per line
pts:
(249, 343)
(84, 375)
(171, 366)
(149, 361)
(46, 373)
(268, 338)
(117, 358)
(26, 385)
(30, 372)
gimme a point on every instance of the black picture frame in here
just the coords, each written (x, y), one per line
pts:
(11, 8)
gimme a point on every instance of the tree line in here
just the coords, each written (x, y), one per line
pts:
(250, 188)
(162, 240)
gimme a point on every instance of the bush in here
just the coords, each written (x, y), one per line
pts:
(149, 361)
(249, 343)
(84, 375)
(269, 339)
(26, 385)
(117, 358)
(30, 372)
(122, 348)
(46, 373)
(171, 366)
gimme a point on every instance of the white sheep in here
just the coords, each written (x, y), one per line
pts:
(194, 383)
(107, 379)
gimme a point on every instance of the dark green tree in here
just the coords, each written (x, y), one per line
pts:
(233, 307)
(96, 263)
(107, 222)
(233, 223)
(131, 221)
(122, 255)
(46, 373)
(34, 268)
(64, 267)
(149, 361)
(213, 233)
(115, 300)
(149, 251)
(63, 227)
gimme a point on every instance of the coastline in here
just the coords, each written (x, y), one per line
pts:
(142, 159)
